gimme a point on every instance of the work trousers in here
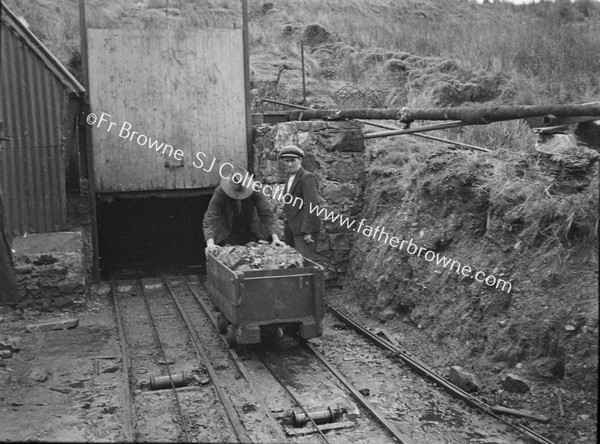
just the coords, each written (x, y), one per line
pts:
(308, 250)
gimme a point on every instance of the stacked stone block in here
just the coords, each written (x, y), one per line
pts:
(335, 153)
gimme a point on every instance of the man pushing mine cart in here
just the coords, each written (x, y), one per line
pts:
(260, 289)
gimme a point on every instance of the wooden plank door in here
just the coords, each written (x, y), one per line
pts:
(181, 91)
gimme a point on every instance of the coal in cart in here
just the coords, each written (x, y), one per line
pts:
(259, 303)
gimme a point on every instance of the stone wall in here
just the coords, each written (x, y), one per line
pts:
(335, 153)
(50, 269)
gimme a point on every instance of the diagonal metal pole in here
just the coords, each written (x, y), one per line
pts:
(384, 134)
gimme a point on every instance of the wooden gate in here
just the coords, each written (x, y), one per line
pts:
(181, 91)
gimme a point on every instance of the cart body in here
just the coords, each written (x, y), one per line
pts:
(259, 301)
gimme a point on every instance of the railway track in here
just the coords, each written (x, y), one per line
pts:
(279, 365)
(155, 349)
(423, 370)
(163, 333)
(168, 328)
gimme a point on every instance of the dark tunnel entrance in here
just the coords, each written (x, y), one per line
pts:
(162, 233)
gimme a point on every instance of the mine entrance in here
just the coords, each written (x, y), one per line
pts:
(159, 232)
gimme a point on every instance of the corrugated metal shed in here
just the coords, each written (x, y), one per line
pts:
(35, 91)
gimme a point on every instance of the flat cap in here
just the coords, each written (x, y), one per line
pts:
(291, 151)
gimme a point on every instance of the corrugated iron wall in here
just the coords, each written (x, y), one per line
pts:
(33, 105)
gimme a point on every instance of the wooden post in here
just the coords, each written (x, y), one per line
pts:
(303, 72)
(9, 292)
(84, 110)
(248, 98)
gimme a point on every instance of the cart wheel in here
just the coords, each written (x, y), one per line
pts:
(222, 323)
(231, 337)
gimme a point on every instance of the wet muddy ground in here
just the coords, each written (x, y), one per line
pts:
(68, 385)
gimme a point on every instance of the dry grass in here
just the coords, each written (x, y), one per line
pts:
(550, 52)
(561, 56)
(516, 185)
(530, 201)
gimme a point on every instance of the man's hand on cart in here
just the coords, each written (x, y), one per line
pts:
(276, 241)
(308, 238)
(210, 246)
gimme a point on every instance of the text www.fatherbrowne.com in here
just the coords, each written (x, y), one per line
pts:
(381, 235)
(277, 193)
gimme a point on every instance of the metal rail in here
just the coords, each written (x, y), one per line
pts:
(275, 425)
(128, 408)
(294, 397)
(387, 424)
(164, 357)
(359, 397)
(287, 389)
(423, 370)
(232, 414)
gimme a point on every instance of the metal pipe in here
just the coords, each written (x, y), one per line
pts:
(434, 127)
(469, 115)
(379, 125)
(277, 102)
(321, 417)
(357, 395)
(452, 142)
(232, 414)
(168, 381)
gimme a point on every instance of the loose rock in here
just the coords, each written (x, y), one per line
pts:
(258, 256)
(38, 374)
(464, 380)
(63, 390)
(101, 290)
(11, 344)
(387, 314)
(45, 259)
(515, 384)
(5, 354)
(23, 269)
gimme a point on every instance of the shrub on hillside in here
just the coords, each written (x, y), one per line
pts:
(519, 190)
(534, 206)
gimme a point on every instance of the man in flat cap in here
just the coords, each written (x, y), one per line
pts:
(301, 228)
(237, 214)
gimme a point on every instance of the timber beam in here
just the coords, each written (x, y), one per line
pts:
(469, 115)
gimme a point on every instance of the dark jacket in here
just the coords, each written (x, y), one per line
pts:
(218, 219)
(300, 220)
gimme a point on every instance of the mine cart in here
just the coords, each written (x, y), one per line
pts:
(255, 303)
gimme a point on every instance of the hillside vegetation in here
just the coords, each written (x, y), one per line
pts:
(546, 52)
(543, 52)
